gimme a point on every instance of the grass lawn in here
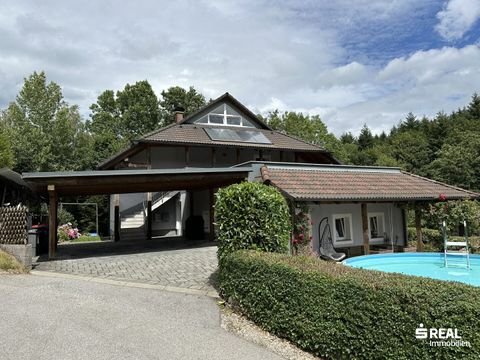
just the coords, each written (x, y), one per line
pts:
(9, 264)
(86, 238)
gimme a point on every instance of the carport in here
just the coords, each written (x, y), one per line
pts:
(107, 182)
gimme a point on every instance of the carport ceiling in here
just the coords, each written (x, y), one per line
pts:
(133, 181)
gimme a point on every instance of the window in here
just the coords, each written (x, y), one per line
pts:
(224, 115)
(376, 226)
(342, 229)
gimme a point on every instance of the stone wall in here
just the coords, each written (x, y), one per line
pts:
(23, 253)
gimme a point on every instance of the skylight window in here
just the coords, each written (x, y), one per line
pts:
(224, 115)
(250, 136)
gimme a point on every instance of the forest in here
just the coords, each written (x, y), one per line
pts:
(40, 131)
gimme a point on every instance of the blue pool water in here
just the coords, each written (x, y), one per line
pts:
(422, 264)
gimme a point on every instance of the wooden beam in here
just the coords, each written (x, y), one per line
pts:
(366, 237)
(404, 230)
(52, 221)
(116, 218)
(212, 215)
(149, 216)
(418, 227)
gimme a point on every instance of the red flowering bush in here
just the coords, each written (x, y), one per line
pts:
(301, 239)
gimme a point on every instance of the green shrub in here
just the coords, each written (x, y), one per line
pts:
(251, 216)
(337, 312)
(65, 217)
(433, 239)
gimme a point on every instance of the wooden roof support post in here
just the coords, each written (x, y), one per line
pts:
(116, 218)
(52, 220)
(212, 214)
(366, 237)
(418, 227)
(149, 216)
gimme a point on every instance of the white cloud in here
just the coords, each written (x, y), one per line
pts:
(424, 83)
(285, 56)
(457, 17)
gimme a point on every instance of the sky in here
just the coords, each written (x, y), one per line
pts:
(352, 62)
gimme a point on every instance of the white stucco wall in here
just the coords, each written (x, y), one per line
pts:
(394, 226)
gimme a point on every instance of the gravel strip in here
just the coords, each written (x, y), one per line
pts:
(242, 327)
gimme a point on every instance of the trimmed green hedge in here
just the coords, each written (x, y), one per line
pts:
(251, 216)
(433, 240)
(337, 312)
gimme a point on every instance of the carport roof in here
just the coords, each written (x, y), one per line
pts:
(135, 180)
(12, 177)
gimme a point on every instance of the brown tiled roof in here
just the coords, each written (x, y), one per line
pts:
(348, 183)
(195, 134)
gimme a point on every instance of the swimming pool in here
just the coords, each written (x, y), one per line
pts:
(422, 264)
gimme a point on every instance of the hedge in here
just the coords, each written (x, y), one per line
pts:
(337, 312)
(251, 216)
(433, 239)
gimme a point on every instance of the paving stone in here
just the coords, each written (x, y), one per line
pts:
(184, 268)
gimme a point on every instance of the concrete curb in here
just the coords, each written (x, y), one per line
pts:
(174, 289)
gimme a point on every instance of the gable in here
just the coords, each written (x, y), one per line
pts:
(226, 111)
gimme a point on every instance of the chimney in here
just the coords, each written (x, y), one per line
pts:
(178, 112)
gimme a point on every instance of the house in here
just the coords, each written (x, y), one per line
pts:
(365, 206)
(168, 178)
(222, 134)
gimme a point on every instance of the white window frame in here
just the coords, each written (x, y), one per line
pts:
(225, 117)
(344, 240)
(379, 215)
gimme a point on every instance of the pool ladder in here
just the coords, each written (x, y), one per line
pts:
(456, 244)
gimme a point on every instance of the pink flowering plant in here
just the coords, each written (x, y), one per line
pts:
(301, 236)
(67, 232)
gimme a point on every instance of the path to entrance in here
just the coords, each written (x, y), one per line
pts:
(191, 268)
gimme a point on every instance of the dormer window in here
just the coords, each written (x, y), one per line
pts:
(224, 115)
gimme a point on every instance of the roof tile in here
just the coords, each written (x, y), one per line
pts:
(347, 185)
(195, 134)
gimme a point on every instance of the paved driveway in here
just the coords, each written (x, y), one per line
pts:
(191, 268)
(48, 318)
